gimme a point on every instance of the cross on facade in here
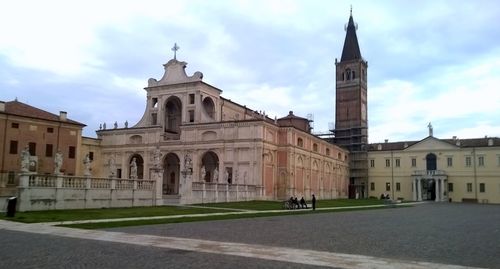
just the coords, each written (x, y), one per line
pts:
(175, 49)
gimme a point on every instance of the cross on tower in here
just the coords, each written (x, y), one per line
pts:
(175, 49)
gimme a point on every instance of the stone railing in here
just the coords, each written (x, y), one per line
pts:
(73, 182)
(211, 192)
(46, 192)
(429, 173)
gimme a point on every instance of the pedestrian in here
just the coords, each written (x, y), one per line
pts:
(314, 202)
(303, 203)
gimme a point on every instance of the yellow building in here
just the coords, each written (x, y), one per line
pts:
(457, 170)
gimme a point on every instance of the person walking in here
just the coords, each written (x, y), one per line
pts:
(314, 202)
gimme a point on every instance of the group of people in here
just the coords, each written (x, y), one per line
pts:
(296, 204)
(385, 197)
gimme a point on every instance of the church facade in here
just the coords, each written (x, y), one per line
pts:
(201, 147)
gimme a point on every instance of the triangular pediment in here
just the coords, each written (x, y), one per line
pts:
(431, 143)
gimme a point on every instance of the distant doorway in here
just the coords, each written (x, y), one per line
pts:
(428, 189)
(171, 174)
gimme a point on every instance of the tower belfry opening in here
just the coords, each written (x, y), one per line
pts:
(351, 117)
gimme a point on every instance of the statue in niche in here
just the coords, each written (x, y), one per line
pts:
(112, 167)
(226, 175)
(86, 165)
(133, 169)
(203, 172)
(58, 161)
(25, 159)
(216, 175)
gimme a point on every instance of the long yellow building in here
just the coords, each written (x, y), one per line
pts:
(433, 169)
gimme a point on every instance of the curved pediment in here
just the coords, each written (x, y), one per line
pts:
(175, 73)
(208, 135)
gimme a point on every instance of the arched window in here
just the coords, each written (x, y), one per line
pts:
(300, 142)
(209, 107)
(173, 110)
(327, 152)
(348, 74)
(353, 75)
(431, 161)
(315, 147)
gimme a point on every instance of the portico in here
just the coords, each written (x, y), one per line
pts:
(429, 185)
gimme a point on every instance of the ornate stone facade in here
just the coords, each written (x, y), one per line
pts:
(200, 146)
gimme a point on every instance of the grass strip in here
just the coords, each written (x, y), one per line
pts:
(104, 225)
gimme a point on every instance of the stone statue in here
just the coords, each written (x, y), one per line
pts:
(226, 176)
(112, 167)
(104, 126)
(115, 125)
(58, 161)
(100, 126)
(188, 163)
(156, 157)
(25, 159)
(126, 124)
(133, 169)
(86, 165)
(216, 175)
(430, 129)
(245, 177)
(203, 172)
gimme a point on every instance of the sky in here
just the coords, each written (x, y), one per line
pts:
(428, 61)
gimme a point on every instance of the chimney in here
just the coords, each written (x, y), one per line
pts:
(63, 115)
(386, 141)
(2, 106)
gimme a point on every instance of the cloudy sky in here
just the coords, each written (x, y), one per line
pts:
(429, 61)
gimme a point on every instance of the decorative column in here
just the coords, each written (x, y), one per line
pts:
(437, 189)
(414, 183)
(419, 188)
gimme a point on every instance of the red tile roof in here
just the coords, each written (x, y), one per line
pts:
(21, 109)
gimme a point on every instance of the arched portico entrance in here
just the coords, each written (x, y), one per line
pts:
(173, 111)
(171, 166)
(209, 170)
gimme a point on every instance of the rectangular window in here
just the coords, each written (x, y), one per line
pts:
(449, 161)
(14, 125)
(372, 163)
(48, 150)
(469, 187)
(387, 163)
(91, 155)
(154, 119)
(482, 187)
(13, 147)
(387, 186)
(468, 161)
(154, 102)
(191, 98)
(191, 115)
(71, 152)
(32, 148)
(398, 186)
(480, 161)
(372, 186)
(450, 187)
(11, 178)
(119, 173)
(398, 163)
(50, 130)
(413, 162)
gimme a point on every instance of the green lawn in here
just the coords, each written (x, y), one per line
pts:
(107, 213)
(273, 205)
(112, 213)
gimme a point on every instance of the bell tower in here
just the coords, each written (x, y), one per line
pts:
(351, 117)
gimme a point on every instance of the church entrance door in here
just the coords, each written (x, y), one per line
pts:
(171, 174)
(428, 189)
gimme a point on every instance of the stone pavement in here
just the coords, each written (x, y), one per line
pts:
(424, 236)
(280, 254)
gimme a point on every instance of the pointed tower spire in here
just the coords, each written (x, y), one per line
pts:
(351, 47)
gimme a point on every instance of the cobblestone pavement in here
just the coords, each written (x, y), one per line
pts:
(462, 234)
(25, 250)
